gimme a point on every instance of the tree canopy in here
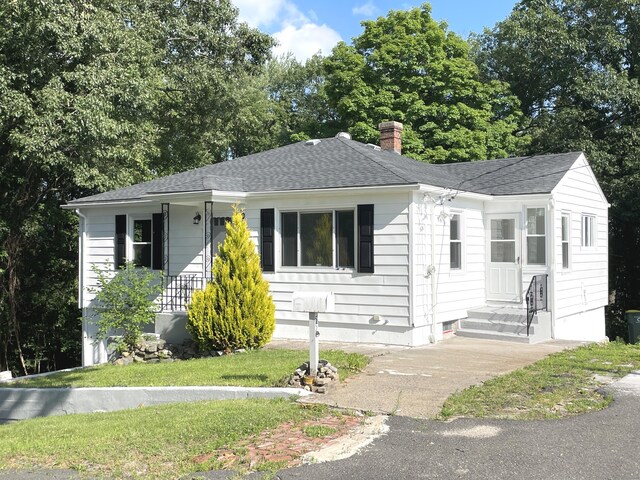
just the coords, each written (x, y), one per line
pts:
(575, 66)
(97, 95)
(409, 68)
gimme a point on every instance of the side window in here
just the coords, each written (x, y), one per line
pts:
(566, 236)
(455, 242)
(588, 235)
(536, 239)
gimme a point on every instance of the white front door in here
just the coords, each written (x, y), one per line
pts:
(503, 258)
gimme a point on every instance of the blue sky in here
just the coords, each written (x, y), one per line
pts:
(305, 27)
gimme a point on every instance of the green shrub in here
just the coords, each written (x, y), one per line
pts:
(235, 310)
(124, 302)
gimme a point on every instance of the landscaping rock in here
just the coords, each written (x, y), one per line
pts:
(153, 349)
(327, 375)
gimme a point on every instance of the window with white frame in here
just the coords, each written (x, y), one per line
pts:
(141, 242)
(318, 239)
(588, 235)
(455, 242)
(566, 235)
(536, 238)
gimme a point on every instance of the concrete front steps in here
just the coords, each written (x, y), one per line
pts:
(507, 323)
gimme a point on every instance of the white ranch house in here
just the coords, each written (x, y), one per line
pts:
(411, 251)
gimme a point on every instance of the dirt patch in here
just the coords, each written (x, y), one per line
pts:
(284, 445)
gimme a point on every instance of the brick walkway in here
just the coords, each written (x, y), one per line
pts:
(285, 445)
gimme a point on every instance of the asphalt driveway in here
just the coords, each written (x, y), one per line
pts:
(598, 446)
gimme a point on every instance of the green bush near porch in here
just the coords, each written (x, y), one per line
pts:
(235, 310)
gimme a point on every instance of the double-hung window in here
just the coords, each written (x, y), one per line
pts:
(588, 236)
(566, 235)
(536, 239)
(318, 239)
(455, 242)
(142, 242)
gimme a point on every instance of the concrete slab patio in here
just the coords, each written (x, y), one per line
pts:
(415, 382)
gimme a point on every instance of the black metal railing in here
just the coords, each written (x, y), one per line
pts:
(178, 290)
(536, 297)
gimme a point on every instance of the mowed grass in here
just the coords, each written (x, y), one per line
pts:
(259, 368)
(565, 383)
(166, 441)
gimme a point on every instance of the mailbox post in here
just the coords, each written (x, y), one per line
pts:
(313, 303)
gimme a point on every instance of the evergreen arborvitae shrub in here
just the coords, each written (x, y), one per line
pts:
(235, 310)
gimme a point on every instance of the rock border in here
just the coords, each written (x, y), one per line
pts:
(326, 377)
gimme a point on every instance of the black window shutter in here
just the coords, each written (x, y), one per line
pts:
(121, 240)
(157, 228)
(365, 238)
(267, 224)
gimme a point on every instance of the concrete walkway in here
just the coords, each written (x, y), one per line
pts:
(415, 382)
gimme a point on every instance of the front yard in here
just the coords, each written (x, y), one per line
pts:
(565, 383)
(166, 441)
(258, 368)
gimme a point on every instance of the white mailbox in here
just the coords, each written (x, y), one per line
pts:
(313, 302)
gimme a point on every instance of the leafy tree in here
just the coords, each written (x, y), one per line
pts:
(125, 303)
(236, 309)
(409, 68)
(98, 95)
(575, 66)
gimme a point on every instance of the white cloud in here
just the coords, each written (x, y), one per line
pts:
(306, 40)
(259, 12)
(294, 31)
(368, 9)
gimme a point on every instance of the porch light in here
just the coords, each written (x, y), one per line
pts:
(197, 218)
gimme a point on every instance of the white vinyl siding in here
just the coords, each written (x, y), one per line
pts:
(185, 240)
(368, 307)
(455, 290)
(584, 286)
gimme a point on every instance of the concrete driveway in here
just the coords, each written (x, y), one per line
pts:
(415, 382)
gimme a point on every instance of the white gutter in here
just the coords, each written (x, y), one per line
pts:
(76, 206)
(81, 263)
(456, 193)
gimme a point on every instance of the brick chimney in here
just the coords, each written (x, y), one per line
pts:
(391, 136)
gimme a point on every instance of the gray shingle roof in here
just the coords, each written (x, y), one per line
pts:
(340, 162)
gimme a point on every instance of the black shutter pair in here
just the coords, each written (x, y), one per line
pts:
(365, 239)
(157, 227)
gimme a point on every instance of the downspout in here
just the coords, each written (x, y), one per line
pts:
(551, 292)
(81, 262)
(432, 273)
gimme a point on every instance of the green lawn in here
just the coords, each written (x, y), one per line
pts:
(152, 442)
(564, 383)
(259, 368)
